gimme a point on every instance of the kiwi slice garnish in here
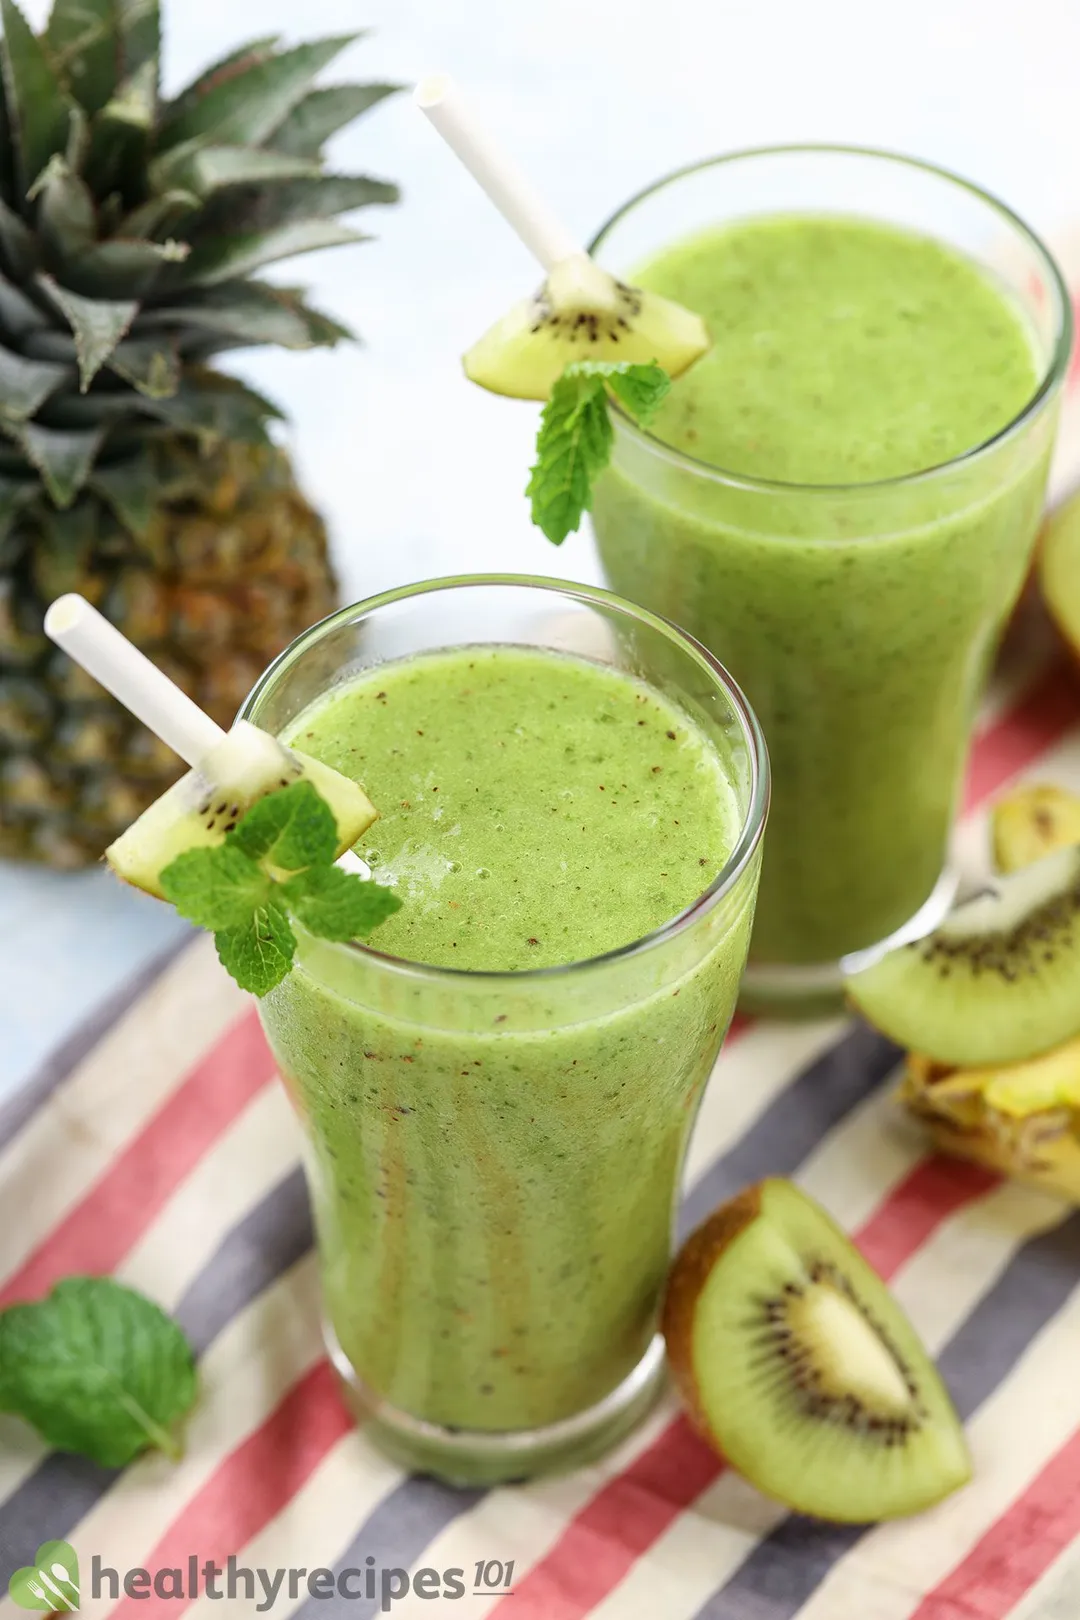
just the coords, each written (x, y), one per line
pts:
(206, 804)
(582, 312)
(797, 1364)
(998, 982)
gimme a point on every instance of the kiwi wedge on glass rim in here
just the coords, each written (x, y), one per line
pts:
(997, 982)
(206, 804)
(799, 1367)
(582, 312)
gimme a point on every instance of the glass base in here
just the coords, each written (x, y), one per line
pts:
(774, 990)
(469, 1457)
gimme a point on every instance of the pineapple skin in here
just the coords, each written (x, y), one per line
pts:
(233, 565)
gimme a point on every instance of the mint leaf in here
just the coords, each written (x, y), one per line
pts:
(97, 1369)
(215, 888)
(641, 389)
(574, 443)
(291, 828)
(338, 905)
(259, 953)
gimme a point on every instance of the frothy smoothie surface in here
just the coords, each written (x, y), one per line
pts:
(535, 809)
(843, 351)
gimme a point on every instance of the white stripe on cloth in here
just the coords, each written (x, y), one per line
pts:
(63, 1150)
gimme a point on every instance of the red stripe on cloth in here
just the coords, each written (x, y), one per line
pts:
(249, 1487)
(95, 1236)
(1016, 739)
(1016, 1551)
(600, 1546)
(935, 1189)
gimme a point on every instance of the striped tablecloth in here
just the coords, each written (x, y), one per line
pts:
(158, 1146)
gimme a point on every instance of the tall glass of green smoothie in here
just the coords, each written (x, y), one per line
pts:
(496, 1100)
(840, 500)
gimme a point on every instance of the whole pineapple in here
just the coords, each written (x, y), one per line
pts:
(130, 470)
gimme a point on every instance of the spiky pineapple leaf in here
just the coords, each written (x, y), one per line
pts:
(225, 257)
(132, 490)
(18, 245)
(66, 220)
(151, 368)
(321, 113)
(158, 214)
(96, 44)
(123, 269)
(251, 312)
(63, 459)
(243, 107)
(205, 169)
(214, 408)
(233, 62)
(38, 105)
(120, 139)
(25, 385)
(101, 408)
(8, 178)
(19, 315)
(97, 324)
(271, 207)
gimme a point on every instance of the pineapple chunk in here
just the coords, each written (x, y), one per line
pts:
(1031, 823)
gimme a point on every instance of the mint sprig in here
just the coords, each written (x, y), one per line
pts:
(574, 443)
(97, 1369)
(276, 863)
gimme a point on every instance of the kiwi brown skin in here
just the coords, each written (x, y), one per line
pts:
(686, 1280)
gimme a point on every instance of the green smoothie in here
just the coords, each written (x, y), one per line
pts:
(494, 1159)
(859, 619)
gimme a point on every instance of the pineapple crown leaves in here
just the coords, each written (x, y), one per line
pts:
(131, 227)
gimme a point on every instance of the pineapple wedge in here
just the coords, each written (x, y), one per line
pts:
(1031, 823)
(1022, 1119)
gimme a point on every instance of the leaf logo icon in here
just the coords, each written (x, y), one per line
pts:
(51, 1582)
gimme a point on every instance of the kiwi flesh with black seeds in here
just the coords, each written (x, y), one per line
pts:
(582, 312)
(997, 982)
(205, 805)
(795, 1362)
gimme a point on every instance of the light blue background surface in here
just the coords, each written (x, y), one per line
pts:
(421, 474)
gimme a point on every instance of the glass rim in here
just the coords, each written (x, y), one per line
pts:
(1055, 370)
(750, 833)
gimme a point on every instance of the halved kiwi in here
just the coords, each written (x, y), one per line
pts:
(797, 1364)
(998, 982)
(582, 313)
(208, 802)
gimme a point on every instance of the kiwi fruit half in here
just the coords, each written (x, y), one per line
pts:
(998, 982)
(797, 1364)
(582, 313)
(208, 802)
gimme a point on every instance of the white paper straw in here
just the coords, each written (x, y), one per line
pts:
(513, 194)
(129, 675)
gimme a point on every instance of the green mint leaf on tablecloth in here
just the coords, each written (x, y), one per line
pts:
(259, 953)
(290, 829)
(215, 888)
(574, 443)
(338, 905)
(97, 1369)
